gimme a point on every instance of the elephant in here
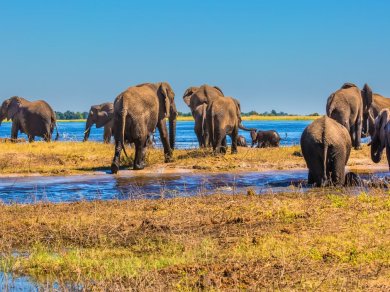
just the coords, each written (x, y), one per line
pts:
(378, 102)
(137, 112)
(241, 141)
(224, 118)
(265, 139)
(381, 137)
(101, 115)
(326, 146)
(34, 118)
(346, 106)
(197, 99)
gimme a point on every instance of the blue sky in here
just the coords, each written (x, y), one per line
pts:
(283, 55)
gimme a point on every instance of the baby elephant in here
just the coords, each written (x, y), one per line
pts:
(241, 141)
(381, 138)
(265, 139)
(326, 146)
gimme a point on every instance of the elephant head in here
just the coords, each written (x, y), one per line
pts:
(368, 120)
(99, 115)
(9, 108)
(196, 96)
(170, 110)
(381, 136)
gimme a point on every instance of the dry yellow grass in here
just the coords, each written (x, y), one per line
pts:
(63, 158)
(323, 240)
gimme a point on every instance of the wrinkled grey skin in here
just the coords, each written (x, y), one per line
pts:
(347, 106)
(224, 118)
(326, 146)
(101, 115)
(265, 139)
(241, 141)
(381, 138)
(137, 112)
(34, 118)
(197, 99)
(372, 110)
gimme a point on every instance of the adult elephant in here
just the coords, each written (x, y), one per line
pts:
(224, 118)
(346, 106)
(375, 104)
(137, 113)
(34, 118)
(101, 115)
(381, 137)
(326, 146)
(197, 99)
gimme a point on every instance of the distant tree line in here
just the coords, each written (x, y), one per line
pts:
(68, 115)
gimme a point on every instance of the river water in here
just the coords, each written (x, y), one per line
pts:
(185, 136)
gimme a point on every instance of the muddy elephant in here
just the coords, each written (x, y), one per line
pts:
(371, 111)
(346, 106)
(381, 137)
(265, 139)
(197, 99)
(241, 141)
(137, 113)
(326, 146)
(34, 118)
(224, 118)
(101, 115)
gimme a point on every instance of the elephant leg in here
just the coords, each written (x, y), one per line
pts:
(116, 160)
(388, 154)
(14, 130)
(234, 137)
(358, 134)
(31, 138)
(162, 128)
(107, 134)
(139, 155)
(224, 145)
(338, 171)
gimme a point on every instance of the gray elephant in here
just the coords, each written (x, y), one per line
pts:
(326, 146)
(346, 106)
(34, 118)
(197, 99)
(381, 137)
(137, 113)
(373, 106)
(265, 139)
(224, 118)
(241, 141)
(103, 116)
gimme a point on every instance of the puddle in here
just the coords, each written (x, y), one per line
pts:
(10, 283)
(151, 186)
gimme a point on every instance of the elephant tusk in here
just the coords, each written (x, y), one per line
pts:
(87, 130)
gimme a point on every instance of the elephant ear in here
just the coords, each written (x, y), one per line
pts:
(102, 118)
(329, 104)
(219, 89)
(238, 108)
(13, 107)
(381, 123)
(367, 97)
(187, 95)
(165, 94)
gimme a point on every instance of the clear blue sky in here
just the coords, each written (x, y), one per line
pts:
(283, 55)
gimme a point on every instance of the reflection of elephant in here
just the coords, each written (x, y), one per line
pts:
(137, 113)
(34, 118)
(346, 106)
(224, 118)
(265, 139)
(326, 146)
(241, 141)
(378, 102)
(101, 115)
(381, 137)
(197, 99)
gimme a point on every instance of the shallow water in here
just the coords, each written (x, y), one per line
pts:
(153, 186)
(185, 136)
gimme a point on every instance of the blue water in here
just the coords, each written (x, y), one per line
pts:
(185, 136)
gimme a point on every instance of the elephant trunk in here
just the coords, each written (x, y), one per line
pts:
(172, 126)
(242, 127)
(376, 149)
(87, 131)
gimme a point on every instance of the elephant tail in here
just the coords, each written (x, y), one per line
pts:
(204, 119)
(123, 125)
(325, 159)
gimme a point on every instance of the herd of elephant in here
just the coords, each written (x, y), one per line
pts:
(136, 113)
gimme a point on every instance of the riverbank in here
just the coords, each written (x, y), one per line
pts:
(324, 239)
(67, 158)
